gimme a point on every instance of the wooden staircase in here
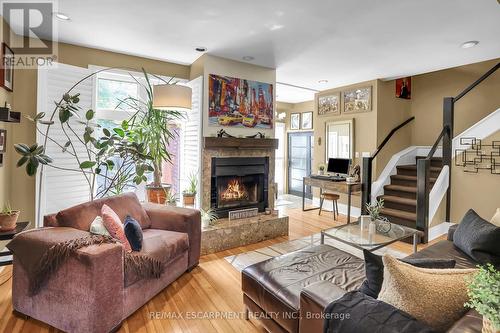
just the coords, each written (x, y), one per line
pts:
(400, 197)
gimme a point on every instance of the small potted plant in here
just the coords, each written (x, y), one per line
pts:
(321, 169)
(189, 194)
(171, 199)
(484, 296)
(373, 209)
(377, 222)
(8, 218)
(208, 217)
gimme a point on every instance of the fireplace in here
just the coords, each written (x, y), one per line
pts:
(239, 183)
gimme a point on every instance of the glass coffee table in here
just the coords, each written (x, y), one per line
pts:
(357, 234)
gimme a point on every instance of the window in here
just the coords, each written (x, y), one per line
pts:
(112, 88)
(111, 92)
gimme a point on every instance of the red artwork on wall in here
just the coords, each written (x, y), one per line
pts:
(403, 87)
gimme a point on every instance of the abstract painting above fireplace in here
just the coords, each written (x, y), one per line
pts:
(239, 183)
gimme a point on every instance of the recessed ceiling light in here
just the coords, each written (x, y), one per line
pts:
(276, 27)
(470, 44)
(248, 58)
(323, 81)
(62, 16)
(201, 49)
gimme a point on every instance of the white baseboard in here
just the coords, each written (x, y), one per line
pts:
(438, 230)
(328, 205)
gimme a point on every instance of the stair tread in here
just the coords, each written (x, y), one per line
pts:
(399, 213)
(401, 188)
(400, 200)
(432, 158)
(414, 167)
(405, 177)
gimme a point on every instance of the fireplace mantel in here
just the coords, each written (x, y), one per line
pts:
(239, 143)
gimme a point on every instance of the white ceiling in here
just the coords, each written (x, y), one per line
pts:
(342, 41)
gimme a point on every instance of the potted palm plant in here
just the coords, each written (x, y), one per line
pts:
(189, 194)
(155, 128)
(8, 218)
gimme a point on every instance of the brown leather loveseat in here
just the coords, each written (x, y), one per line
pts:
(289, 293)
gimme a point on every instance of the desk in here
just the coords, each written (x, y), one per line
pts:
(326, 184)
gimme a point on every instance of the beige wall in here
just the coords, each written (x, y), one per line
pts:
(479, 191)
(391, 112)
(429, 89)
(5, 96)
(365, 130)
(21, 191)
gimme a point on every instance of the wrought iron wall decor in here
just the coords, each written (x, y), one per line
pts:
(478, 156)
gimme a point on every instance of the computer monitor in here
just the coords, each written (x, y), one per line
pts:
(339, 165)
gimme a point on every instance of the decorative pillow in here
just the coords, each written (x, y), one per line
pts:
(114, 226)
(434, 296)
(374, 270)
(97, 227)
(496, 218)
(478, 238)
(133, 232)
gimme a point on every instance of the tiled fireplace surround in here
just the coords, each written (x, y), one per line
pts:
(234, 152)
(227, 234)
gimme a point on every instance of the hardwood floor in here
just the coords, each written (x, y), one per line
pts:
(213, 288)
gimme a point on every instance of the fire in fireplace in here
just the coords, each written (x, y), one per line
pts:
(238, 191)
(235, 191)
(238, 183)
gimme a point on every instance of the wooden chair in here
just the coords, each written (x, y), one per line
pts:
(330, 196)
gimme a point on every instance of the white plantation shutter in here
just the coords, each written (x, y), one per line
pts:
(58, 189)
(191, 137)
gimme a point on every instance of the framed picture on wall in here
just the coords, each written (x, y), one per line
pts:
(295, 121)
(329, 104)
(403, 88)
(237, 102)
(3, 141)
(358, 100)
(307, 120)
(6, 68)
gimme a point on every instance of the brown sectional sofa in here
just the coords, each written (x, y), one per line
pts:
(289, 293)
(91, 292)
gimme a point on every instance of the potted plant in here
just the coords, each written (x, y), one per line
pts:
(484, 296)
(171, 199)
(376, 221)
(101, 147)
(155, 129)
(8, 218)
(373, 209)
(321, 169)
(189, 194)
(208, 217)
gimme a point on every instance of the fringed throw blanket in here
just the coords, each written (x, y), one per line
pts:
(42, 252)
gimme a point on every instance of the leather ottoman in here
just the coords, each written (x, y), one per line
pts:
(271, 289)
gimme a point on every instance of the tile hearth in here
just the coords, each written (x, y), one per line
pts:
(227, 234)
